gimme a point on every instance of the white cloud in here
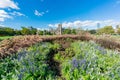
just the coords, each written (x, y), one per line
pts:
(4, 15)
(7, 15)
(17, 14)
(50, 25)
(8, 4)
(37, 13)
(86, 24)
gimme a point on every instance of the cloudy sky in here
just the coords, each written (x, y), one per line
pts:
(49, 13)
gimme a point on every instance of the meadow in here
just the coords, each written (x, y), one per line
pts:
(5, 37)
(65, 57)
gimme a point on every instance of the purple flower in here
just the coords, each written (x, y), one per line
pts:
(82, 63)
(75, 63)
(20, 76)
(101, 49)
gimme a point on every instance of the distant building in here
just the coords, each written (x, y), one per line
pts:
(117, 26)
(98, 25)
(59, 29)
(116, 29)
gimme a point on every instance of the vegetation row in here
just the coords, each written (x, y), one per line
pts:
(13, 45)
(53, 61)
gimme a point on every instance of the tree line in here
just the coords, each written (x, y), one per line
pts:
(7, 31)
(106, 30)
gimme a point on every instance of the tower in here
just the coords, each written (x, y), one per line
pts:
(98, 25)
(60, 29)
(117, 26)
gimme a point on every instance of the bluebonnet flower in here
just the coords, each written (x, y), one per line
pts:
(30, 62)
(104, 52)
(82, 63)
(101, 49)
(75, 63)
(33, 69)
(23, 70)
(22, 54)
(20, 76)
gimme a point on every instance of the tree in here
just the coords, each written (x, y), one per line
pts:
(73, 31)
(18, 32)
(25, 31)
(32, 30)
(66, 31)
(93, 31)
(106, 30)
(118, 30)
(40, 32)
(10, 31)
(5, 31)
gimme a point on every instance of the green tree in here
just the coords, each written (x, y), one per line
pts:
(17, 32)
(32, 30)
(40, 32)
(10, 31)
(106, 30)
(5, 31)
(118, 30)
(25, 31)
(93, 31)
(73, 31)
(66, 31)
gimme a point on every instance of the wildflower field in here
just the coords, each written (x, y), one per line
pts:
(61, 58)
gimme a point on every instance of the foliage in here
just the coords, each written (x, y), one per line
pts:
(69, 31)
(118, 30)
(91, 62)
(5, 31)
(28, 64)
(106, 30)
(80, 61)
(25, 31)
(40, 32)
(16, 43)
(92, 31)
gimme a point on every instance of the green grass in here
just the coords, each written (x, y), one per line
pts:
(5, 37)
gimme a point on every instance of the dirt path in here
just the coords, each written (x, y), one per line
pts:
(53, 65)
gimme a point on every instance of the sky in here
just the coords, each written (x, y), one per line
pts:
(43, 14)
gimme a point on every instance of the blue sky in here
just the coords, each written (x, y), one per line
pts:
(48, 13)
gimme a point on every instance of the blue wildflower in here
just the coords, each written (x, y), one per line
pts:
(75, 63)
